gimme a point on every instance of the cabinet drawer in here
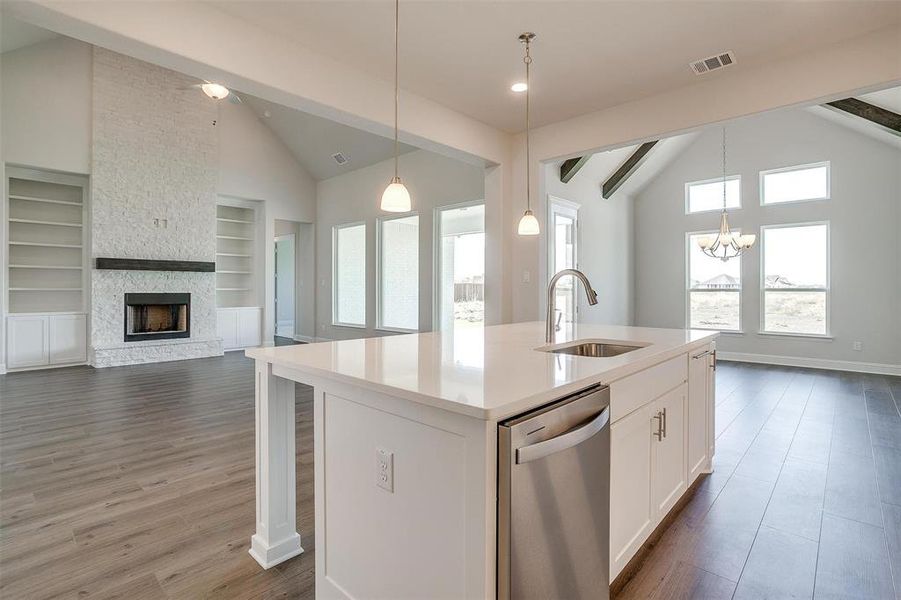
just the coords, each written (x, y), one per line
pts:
(636, 390)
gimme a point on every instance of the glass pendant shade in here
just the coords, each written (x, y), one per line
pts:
(528, 224)
(214, 90)
(396, 198)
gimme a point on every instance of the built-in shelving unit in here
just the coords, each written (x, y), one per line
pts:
(46, 237)
(46, 271)
(236, 249)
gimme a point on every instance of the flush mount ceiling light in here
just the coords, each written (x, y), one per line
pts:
(215, 91)
(528, 224)
(725, 244)
(396, 198)
(519, 87)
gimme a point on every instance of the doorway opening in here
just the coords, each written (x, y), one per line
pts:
(461, 267)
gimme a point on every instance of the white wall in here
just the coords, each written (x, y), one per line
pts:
(864, 215)
(605, 238)
(433, 181)
(46, 106)
(255, 165)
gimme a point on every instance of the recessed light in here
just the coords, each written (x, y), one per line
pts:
(519, 87)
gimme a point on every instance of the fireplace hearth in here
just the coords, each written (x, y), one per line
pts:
(160, 316)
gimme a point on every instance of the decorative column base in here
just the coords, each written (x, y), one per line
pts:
(269, 556)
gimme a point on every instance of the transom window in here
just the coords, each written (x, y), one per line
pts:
(349, 275)
(795, 282)
(795, 184)
(714, 289)
(707, 195)
(398, 270)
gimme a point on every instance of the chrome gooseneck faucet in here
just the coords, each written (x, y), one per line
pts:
(552, 284)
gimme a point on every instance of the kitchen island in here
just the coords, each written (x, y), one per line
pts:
(406, 446)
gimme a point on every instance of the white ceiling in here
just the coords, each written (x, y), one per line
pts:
(312, 140)
(15, 34)
(588, 55)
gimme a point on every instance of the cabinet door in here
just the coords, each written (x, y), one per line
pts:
(227, 328)
(68, 338)
(711, 403)
(698, 407)
(669, 465)
(26, 344)
(249, 327)
(631, 516)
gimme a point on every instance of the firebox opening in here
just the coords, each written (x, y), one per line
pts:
(157, 316)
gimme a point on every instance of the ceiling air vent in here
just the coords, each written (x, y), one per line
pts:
(712, 63)
(339, 158)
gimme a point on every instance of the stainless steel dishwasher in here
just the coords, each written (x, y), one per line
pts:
(554, 500)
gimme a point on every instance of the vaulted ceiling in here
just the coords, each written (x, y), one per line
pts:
(588, 55)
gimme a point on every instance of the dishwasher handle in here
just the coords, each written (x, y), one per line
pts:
(571, 438)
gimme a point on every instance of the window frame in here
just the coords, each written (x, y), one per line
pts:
(335, 230)
(828, 289)
(688, 290)
(436, 255)
(762, 187)
(567, 208)
(687, 188)
(378, 272)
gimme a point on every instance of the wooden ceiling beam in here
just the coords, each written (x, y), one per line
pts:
(570, 167)
(632, 163)
(884, 118)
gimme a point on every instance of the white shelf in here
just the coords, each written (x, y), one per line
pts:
(237, 245)
(232, 254)
(235, 272)
(54, 223)
(218, 289)
(47, 200)
(50, 267)
(224, 220)
(234, 237)
(45, 244)
(42, 289)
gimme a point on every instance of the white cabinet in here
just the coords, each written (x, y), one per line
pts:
(68, 338)
(27, 341)
(701, 381)
(239, 327)
(668, 450)
(43, 340)
(631, 508)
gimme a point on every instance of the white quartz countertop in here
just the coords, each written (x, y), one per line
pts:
(489, 373)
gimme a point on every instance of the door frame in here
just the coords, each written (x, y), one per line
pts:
(568, 208)
(275, 241)
(436, 255)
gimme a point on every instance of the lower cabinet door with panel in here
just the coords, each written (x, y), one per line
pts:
(68, 338)
(631, 507)
(249, 327)
(699, 405)
(669, 472)
(227, 327)
(27, 341)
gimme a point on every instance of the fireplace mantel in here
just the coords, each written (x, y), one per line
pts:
(142, 264)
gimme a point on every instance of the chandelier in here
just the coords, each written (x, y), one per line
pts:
(725, 244)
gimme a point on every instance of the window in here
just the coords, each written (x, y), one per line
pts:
(349, 277)
(398, 302)
(704, 196)
(461, 267)
(796, 279)
(563, 219)
(714, 289)
(795, 184)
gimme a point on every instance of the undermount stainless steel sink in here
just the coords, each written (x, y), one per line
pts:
(593, 349)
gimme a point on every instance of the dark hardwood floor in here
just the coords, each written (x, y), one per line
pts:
(137, 482)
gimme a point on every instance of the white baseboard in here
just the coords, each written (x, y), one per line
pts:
(812, 363)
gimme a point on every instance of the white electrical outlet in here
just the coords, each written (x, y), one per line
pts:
(384, 469)
(857, 346)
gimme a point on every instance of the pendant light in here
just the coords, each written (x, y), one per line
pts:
(396, 198)
(528, 224)
(725, 245)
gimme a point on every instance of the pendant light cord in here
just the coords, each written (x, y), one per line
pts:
(396, 28)
(528, 61)
(724, 168)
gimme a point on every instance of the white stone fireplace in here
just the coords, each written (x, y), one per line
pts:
(154, 178)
